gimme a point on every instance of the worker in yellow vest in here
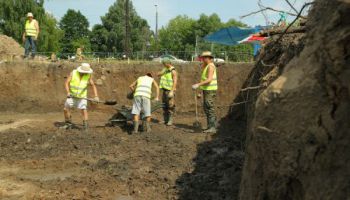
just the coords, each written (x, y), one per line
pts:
(30, 35)
(209, 85)
(168, 83)
(77, 91)
(142, 89)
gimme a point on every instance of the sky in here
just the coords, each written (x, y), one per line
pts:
(168, 9)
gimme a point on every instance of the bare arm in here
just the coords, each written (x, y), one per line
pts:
(92, 83)
(66, 85)
(210, 76)
(160, 73)
(174, 74)
(133, 85)
(37, 28)
(155, 84)
(24, 36)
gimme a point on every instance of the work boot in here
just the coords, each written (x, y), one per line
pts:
(67, 125)
(85, 125)
(212, 126)
(210, 130)
(170, 121)
(136, 127)
(208, 125)
(148, 127)
(165, 117)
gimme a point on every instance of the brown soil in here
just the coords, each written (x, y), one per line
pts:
(26, 86)
(9, 48)
(40, 161)
(298, 128)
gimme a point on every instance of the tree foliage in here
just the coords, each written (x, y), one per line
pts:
(182, 32)
(76, 31)
(13, 17)
(110, 35)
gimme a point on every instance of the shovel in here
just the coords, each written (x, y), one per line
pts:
(197, 125)
(108, 103)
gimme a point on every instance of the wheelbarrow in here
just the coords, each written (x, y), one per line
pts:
(123, 115)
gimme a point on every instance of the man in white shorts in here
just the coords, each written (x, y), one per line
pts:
(76, 87)
(142, 89)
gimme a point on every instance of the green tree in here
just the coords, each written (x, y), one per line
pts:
(178, 35)
(76, 31)
(13, 17)
(50, 35)
(207, 24)
(110, 35)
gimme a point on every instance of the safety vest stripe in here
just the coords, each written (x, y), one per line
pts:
(143, 86)
(144, 91)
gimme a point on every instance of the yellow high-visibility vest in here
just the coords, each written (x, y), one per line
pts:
(213, 85)
(78, 86)
(144, 87)
(30, 28)
(166, 80)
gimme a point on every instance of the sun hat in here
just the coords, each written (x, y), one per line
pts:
(85, 68)
(30, 14)
(207, 54)
(166, 61)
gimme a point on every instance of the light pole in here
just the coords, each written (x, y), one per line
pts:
(156, 34)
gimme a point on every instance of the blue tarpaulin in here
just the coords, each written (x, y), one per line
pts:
(232, 35)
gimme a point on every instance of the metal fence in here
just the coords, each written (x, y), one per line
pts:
(242, 55)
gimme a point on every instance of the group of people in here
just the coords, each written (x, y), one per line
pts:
(78, 81)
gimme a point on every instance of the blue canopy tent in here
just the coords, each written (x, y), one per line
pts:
(232, 35)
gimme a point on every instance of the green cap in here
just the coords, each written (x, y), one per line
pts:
(166, 61)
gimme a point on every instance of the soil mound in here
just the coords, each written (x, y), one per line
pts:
(298, 130)
(9, 47)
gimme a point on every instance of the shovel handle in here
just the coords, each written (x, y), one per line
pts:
(195, 101)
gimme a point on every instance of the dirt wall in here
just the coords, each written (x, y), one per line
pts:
(297, 145)
(39, 86)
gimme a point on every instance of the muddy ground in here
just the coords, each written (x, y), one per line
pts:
(40, 161)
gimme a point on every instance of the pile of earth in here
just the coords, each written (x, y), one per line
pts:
(9, 47)
(289, 123)
(298, 124)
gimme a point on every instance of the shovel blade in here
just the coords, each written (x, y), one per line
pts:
(110, 103)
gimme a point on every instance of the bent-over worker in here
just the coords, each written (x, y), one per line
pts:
(142, 89)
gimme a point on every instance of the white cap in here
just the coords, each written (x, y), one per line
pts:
(85, 68)
(30, 14)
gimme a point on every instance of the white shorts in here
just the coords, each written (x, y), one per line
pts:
(141, 104)
(76, 103)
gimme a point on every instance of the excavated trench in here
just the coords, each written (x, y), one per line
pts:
(285, 137)
(39, 160)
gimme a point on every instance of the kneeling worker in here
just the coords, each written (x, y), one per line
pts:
(142, 89)
(76, 87)
(168, 82)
